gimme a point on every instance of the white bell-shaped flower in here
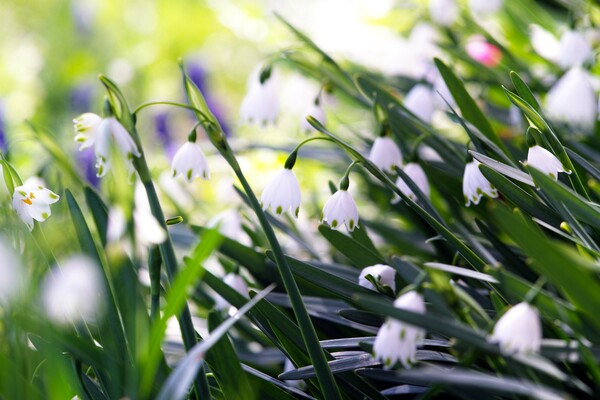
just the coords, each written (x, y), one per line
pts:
(340, 210)
(416, 173)
(519, 330)
(475, 185)
(32, 201)
(74, 292)
(237, 283)
(572, 100)
(544, 161)
(385, 154)
(86, 128)
(317, 112)
(190, 162)
(443, 12)
(485, 6)
(282, 193)
(103, 134)
(112, 133)
(574, 50)
(384, 274)
(420, 100)
(397, 341)
(261, 103)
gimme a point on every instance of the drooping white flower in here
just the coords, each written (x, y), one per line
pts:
(420, 100)
(544, 43)
(74, 292)
(396, 341)
(475, 185)
(32, 201)
(572, 100)
(484, 6)
(103, 134)
(86, 127)
(574, 50)
(11, 272)
(544, 161)
(316, 111)
(385, 154)
(519, 330)
(282, 193)
(384, 274)
(261, 103)
(443, 12)
(416, 173)
(340, 210)
(190, 162)
(237, 283)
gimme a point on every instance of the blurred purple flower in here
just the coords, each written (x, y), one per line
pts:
(83, 13)
(86, 159)
(200, 78)
(161, 125)
(81, 98)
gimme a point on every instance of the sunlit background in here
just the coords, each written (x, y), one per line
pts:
(53, 51)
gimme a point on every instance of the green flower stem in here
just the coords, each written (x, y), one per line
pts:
(307, 330)
(154, 264)
(168, 256)
(165, 103)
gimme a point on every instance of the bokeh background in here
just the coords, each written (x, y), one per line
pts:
(53, 50)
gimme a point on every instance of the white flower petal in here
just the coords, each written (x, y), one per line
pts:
(340, 210)
(86, 128)
(421, 102)
(519, 330)
(572, 101)
(396, 341)
(384, 274)
(190, 162)
(475, 185)
(544, 161)
(282, 193)
(385, 154)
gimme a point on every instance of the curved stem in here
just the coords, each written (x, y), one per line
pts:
(167, 103)
(305, 141)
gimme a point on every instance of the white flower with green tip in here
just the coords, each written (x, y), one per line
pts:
(385, 154)
(103, 134)
(519, 330)
(397, 341)
(282, 193)
(384, 274)
(544, 161)
(475, 185)
(190, 162)
(340, 210)
(32, 201)
(417, 175)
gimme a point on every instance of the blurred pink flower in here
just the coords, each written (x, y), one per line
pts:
(483, 52)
